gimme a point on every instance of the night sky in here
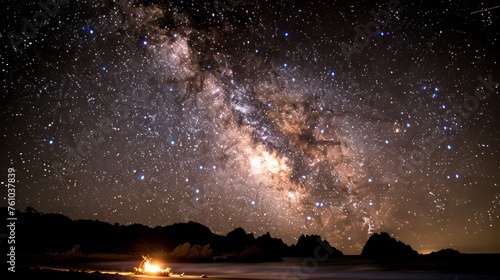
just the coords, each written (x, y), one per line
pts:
(274, 116)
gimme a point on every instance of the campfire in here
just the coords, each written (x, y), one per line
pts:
(146, 267)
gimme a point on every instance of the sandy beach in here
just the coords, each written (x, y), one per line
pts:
(354, 268)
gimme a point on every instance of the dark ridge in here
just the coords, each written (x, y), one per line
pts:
(41, 235)
(384, 246)
(445, 253)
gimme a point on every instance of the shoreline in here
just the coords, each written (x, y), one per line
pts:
(477, 266)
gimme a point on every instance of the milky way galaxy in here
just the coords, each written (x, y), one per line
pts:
(273, 116)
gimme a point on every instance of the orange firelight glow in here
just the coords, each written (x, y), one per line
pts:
(147, 267)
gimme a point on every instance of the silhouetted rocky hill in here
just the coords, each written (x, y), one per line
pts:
(191, 253)
(56, 235)
(311, 245)
(445, 253)
(272, 246)
(384, 246)
(237, 240)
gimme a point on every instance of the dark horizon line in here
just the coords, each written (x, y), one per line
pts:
(222, 235)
